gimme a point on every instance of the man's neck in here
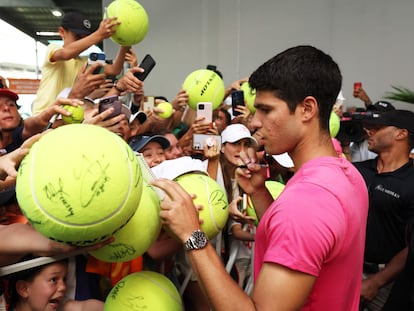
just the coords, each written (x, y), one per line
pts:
(391, 161)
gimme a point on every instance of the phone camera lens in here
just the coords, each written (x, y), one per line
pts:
(93, 56)
(201, 106)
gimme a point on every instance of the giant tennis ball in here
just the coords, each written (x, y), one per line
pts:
(76, 114)
(138, 234)
(204, 85)
(274, 187)
(211, 196)
(144, 290)
(334, 124)
(167, 110)
(79, 184)
(249, 95)
(134, 21)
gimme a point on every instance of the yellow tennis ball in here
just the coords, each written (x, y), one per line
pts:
(204, 85)
(144, 290)
(167, 110)
(138, 234)
(79, 184)
(275, 188)
(249, 95)
(211, 196)
(134, 21)
(76, 114)
(334, 124)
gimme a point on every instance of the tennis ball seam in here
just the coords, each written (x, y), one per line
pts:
(210, 208)
(158, 284)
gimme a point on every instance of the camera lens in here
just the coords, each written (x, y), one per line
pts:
(93, 56)
(201, 106)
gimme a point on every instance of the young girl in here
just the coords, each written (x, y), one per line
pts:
(43, 288)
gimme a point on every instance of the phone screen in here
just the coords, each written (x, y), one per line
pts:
(149, 103)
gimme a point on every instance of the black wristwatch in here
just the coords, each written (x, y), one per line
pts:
(197, 240)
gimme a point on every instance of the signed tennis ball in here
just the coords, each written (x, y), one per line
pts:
(138, 234)
(204, 86)
(167, 110)
(144, 290)
(134, 21)
(76, 114)
(211, 196)
(79, 184)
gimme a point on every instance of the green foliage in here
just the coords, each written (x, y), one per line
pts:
(401, 94)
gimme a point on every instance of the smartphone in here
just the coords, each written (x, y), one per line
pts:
(149, 103)
(200, 139)
(237, 99)
(147, 64)
(357, 86)
(205, 109)
(110, 101)
(97, 58)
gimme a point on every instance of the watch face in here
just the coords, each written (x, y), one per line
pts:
(200, 239)
(197, 240)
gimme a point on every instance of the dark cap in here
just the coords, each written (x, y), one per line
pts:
(138, 142)
(403, 119)
(140, 116)
(77, 23)
(381, 106)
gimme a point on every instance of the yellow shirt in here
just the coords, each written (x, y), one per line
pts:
(55, 77)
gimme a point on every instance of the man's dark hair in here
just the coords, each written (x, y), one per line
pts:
(299, 72)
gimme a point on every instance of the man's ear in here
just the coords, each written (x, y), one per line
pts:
(309, 108)
(22, 288)
(61, 31)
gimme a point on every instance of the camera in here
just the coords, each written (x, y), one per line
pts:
(351, 126)
(95, 56)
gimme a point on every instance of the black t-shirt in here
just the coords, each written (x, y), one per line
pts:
(17, 139)
(391, 204)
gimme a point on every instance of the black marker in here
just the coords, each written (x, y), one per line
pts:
(245, 165)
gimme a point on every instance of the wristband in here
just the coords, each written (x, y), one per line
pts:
(117, 88)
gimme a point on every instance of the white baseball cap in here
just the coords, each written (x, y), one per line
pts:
(284, 159)
(171, 169)
(234, 132)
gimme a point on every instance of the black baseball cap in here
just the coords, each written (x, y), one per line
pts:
(77, 23)
(403, 119)
(381, 106)
(140, 141)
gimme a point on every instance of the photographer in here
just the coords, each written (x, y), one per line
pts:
(352, 135)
